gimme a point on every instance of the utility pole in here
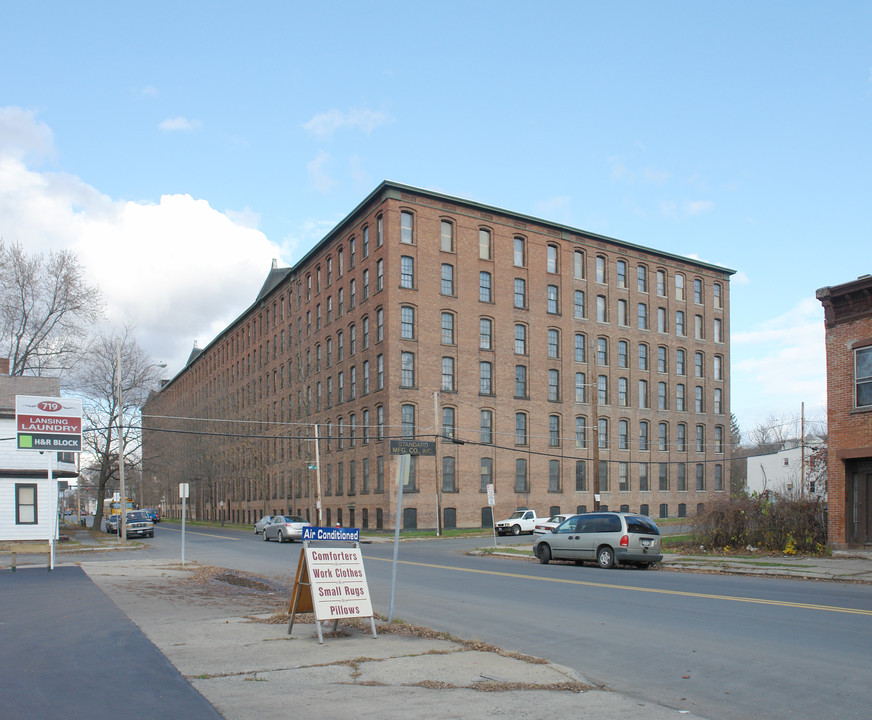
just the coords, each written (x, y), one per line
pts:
(436, 424)
(802, 450)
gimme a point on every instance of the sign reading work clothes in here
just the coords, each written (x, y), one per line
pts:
(48, 423)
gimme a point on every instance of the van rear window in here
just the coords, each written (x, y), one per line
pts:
(641, 525)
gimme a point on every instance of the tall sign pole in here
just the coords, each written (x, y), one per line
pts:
(122, 521)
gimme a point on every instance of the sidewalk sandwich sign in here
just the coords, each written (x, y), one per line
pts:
(331, 581)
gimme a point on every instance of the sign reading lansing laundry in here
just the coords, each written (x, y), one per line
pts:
(48, 423)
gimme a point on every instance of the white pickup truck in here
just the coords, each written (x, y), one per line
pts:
(521, 521)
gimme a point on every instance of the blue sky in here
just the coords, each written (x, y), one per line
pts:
(180, 146)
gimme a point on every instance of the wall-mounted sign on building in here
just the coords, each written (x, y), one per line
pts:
(48, 423)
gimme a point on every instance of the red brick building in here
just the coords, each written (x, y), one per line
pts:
(848, 319)
(518, 342)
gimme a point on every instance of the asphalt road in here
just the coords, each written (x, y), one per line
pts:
(722, 647)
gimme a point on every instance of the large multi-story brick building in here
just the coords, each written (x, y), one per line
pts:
(848, 320)
(532, 350)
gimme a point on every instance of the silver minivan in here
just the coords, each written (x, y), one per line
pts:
(605, 537)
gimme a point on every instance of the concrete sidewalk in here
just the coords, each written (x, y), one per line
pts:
(235, 650)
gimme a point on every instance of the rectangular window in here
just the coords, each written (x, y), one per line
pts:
(25, 504)
(379, 275)
(622, 273)
(863, 377)
(407, 377)
(520, 253)
(601, 310)
(447, 236)
(679, 323)
(407, 272)
(551, 259)
(520, 429)
(520, 339)
(554, 476)
(487, 427)
(447, 328)
(554, 386)
(447, 279)
(663, 473)
(580, 395)
(554, 431)
(580, 348)
(487, 473)
(448, 479)
(520, 381)
(520, 293)
(521, 475)
(448, 374)
(485, 378)
(553, 301)
(407, 228)
(643, 477)
(484, 287)
(484, 244)
(580, 432)
(578, 264)
(642, 275)
(623, 476)
(407, 322)
(485, 334)
(580, 476)
(579, 305)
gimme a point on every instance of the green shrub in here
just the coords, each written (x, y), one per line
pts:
(768, 522)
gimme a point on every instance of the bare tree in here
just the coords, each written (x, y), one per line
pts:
(47, 310)
(97, 382)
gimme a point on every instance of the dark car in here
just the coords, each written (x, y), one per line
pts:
(112, 524)
(139, 524)
(605, 537)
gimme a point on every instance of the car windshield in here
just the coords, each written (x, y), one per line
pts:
(137, 516)
(519, 513)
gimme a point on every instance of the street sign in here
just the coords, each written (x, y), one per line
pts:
(413, 447)
(490, 495)
(48, 423)
(184, 490)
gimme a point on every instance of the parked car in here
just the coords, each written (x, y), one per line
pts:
(139, 524)
(546, 526)
(112, 524)
(605, 537)
(522, 520)
(261, 524)
(153, 513)
(285, 528)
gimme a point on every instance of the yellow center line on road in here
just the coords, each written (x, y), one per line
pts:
(198, 532)
(659, 591)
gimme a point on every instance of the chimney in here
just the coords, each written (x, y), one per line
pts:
(4, 366)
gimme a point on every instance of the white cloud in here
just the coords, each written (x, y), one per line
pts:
(150, 90)
(698, 207)
(326, 124)
(180, 123)
(778, 364)
(178, 270)
(317, 170)
(647, 175)
(22, 136)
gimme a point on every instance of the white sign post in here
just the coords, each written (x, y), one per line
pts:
(184, 490)
(491, 501)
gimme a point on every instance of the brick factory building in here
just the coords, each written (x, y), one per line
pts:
(533, 350)
(848, 320)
